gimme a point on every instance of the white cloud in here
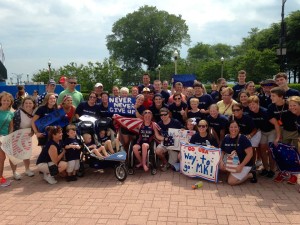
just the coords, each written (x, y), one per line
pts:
(34, 31)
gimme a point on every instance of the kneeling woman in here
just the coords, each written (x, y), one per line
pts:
(147, 132)
(241, 144)
(52, 154)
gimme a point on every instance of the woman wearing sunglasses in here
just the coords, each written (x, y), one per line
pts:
(204, 135)
(177, 108)
(147, 132)
(239, 145)
(89, 107)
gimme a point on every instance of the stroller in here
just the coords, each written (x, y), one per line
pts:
(116, 161)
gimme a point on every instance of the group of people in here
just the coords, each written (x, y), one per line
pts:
(241, 119)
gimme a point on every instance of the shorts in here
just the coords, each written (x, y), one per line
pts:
(267, 137)
(243, 174)
(255, 140)
(73, 165)
(173, 154)
(290, 137)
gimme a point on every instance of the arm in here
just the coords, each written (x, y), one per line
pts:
(157, 135)
(277, 130)
(253, 132)
(249, 154)
(55, 158)
(34, 128)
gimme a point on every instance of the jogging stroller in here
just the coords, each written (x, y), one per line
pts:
(116, 161)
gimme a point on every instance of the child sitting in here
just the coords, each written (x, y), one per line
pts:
(105, 140)
(87, 138)
(72, 147)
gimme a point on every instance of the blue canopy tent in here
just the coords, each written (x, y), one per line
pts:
(186, 79)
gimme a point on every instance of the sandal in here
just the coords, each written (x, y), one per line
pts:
(138, 165)
(254, 177)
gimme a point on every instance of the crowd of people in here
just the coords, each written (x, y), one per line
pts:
(241, 120)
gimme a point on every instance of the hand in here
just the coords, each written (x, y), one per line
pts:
(239, 168)
(202, 110)
(39, 135)
(222, 165)
(182, 112)
(276, 142)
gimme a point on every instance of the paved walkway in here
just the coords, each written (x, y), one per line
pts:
(166, 198)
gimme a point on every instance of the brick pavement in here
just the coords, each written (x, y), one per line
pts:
(166, 198)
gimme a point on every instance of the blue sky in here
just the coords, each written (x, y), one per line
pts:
(34, 31)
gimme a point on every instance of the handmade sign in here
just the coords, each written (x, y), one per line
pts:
(178, 136)
(56, 118)
(17, 145)
(286, 157)
(123, 106)
(200, 161)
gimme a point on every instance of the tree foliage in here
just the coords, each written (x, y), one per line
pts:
(147, 36)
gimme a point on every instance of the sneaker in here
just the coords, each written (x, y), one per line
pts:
(292, 180)
(254, 177)
(29, 173)
(270, 174)
(164, 167)
(50, 179)
(73, 178)
(4, 182)
(281, 176)
(264, 173)
(69, 178)
(17, 176)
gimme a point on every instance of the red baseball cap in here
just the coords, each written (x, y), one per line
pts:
(63, 79)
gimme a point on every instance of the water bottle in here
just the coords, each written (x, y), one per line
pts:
(197, 185)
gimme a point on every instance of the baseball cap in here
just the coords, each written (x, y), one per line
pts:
(145, 89)
(98, 85)
(51, 81)
(63, 79)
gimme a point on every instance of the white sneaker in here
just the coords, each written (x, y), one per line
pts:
(50, 179)
(29, 173)
(17, 176)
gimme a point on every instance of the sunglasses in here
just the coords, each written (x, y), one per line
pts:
(147, 112)
(202, 126)
(236, 110)
(72, 83)
(177, 98)
(165, 114)
(92, 97)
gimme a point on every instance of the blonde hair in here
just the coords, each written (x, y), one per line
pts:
(294, 99)
(6, 94)
(194, 100)
(254, 99)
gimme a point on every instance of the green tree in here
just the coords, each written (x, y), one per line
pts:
(147, 36)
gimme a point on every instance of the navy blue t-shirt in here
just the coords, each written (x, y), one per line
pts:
(216, 96)
(44, 156)
(104, 111)
(218, 124)
(85, 109)
(261, 120)
(237, 89)
(146, 134)
(291, 92)
(246, 124)
(155, 112)
(229, 144)
(298, 124)
(197, 115)
(204, 101)
(173, 124)
(165, 95)
(198, 140)
(175, 110)
(282, 113)
(71, 153)
(264, 100)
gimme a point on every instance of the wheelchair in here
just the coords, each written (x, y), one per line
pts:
(151, 158)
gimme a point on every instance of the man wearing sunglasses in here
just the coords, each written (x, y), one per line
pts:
(166, 123)
(77, 96)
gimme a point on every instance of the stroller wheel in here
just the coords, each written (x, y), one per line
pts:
(121, 172)
(153, 171)
(130, 171)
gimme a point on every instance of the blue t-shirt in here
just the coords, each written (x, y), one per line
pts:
(230, 144)
(261, 120)
(264, 100)
(175, 110)
(198, 140)
(246, 124)
(291, 92)
(71, 153)
(197, 115)
(237, 89)
(283, 114)
(44, 156)
(146, 134)
(216, 96)
(204, 101)
(85, 109)
(155, 112)
(173, 124)
(218, 124)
